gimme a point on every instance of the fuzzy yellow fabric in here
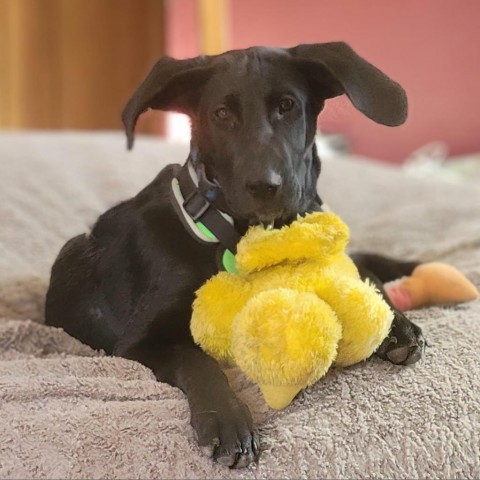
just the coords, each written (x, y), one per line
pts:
(302, 240)
(297, 306)
(299, 352)
(217, 303)
(363, 313)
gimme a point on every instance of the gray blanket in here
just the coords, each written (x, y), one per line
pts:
(67, 411)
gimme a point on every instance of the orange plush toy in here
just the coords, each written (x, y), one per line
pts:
(431, 284)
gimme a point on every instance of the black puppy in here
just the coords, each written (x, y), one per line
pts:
(128, 286)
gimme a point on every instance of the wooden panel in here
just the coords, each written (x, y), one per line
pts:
(74, 64)
(6, 109)
(29, 64)
(214, 21)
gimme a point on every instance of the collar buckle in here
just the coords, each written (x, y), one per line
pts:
(195, 204)
(199, 209)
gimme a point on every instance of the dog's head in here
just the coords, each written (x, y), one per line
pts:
(254, 114)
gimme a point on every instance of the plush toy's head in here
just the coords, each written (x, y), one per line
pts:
(296, 306)
(318, 236)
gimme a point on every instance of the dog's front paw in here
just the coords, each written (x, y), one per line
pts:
(405, 344)
(225, 432)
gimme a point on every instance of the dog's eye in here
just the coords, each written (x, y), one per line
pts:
(221, 113)
(285, 105)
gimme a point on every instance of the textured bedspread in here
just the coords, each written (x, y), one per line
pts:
(67, 411)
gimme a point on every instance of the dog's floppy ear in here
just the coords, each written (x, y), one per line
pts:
(337, 69)
(171, 85)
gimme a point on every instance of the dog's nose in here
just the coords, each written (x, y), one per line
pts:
(265, 188)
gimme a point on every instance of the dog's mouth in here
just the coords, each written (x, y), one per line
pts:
(270, 221)
(268, 216)
(266, 224)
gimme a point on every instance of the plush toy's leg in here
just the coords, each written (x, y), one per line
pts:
(430, 284)
(285, 340)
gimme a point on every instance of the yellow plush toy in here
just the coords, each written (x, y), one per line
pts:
(296, 306)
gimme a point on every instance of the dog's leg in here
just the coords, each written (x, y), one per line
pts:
(385, 269)
(222, 422)
(405, 344)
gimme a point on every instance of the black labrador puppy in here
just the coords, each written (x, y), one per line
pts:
(127, 287)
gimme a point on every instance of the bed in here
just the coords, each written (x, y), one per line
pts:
(67, 411)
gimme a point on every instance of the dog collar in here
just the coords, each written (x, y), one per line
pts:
(203, 220)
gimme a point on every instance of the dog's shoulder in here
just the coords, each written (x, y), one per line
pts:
(148, 231)
(128, 214)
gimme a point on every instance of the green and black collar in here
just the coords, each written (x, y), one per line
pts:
(201, 218)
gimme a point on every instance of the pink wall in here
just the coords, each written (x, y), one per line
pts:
(182, 34)
(431, 47)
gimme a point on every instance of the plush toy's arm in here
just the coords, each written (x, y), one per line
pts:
(216, 304)
(361, 310)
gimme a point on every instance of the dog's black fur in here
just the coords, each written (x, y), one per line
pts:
(128, 286)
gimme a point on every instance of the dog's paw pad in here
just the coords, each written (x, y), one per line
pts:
(405, 345)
